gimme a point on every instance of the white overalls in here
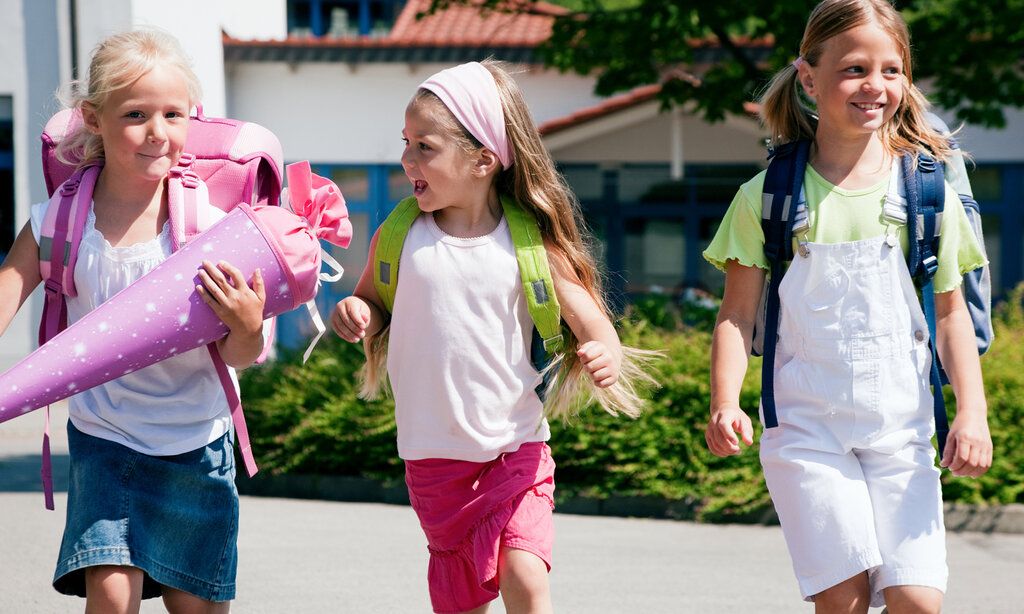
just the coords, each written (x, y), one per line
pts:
(850, 467)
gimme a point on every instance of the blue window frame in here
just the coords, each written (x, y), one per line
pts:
(371, 192)
(342, 18)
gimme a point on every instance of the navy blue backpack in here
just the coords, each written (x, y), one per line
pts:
(924, 185)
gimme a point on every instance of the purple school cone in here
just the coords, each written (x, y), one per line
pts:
(161, 314)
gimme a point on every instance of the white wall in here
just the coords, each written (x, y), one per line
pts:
(255, 19)
(326, 113)
(1003, 145)
(648, 140)
(191, 21)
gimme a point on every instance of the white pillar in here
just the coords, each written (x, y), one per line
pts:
(677, 144)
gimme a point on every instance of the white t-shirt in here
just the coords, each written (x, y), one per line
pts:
(168, 408)
(459, 350)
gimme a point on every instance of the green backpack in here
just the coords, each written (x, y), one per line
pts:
(538, 287)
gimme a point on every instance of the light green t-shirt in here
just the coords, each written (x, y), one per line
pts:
(839, 215)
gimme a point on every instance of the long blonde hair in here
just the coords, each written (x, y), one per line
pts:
(117, 61)
(535, 183)
(788, 118)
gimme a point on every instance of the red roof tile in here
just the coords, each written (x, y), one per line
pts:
(458, 26)
(467, 25)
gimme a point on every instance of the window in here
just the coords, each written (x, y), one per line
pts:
(655, 255)
(354, 182)
(342, 18)
(7, 229)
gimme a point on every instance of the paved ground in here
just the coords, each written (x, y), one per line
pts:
(313, 556)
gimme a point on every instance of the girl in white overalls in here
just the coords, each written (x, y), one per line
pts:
(850, 466)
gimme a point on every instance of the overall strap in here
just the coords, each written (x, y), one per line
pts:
(538, 286)
(925, 185)
(388, 252)
(783, 191)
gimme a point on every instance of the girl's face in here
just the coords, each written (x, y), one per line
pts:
(440, 170)
(143, 125)
(858, 82)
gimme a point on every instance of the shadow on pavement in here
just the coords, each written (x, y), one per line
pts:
(22, 473)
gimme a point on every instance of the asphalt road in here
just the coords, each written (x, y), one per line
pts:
(317, 556)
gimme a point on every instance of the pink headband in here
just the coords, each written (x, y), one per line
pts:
(798, 62)
(470, 93)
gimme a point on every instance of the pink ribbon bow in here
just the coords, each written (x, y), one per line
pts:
(319, 201)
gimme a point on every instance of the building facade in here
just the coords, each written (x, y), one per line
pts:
(332, 77)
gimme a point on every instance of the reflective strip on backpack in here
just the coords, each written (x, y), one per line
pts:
(388, 252)
(538, 285)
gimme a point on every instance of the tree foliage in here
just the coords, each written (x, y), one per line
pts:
(718, 54)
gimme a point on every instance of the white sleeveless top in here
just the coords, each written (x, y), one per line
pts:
(172, 407)
(459, 350)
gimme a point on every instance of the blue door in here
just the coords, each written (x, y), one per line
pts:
(370, 192)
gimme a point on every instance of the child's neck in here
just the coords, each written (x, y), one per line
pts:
(478, 218)
(128, 212)
(851, 163)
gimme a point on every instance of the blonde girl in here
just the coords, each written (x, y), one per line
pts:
(152, 505)
(850, 466)
(471, 424)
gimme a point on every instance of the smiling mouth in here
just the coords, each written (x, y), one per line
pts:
(868, 106)
(419, 187)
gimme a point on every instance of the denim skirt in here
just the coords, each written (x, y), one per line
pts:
(173, 517)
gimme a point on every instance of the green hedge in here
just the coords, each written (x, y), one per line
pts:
(308, 420)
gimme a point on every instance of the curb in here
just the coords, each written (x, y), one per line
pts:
(959, 517)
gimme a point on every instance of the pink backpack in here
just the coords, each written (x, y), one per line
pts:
(234, 161)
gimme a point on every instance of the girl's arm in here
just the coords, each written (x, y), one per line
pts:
(730, 347)
(600, 351)
(239, 306)
(19, 276)
(363, 313)
(969, 444)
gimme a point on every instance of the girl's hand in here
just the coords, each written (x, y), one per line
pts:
(968, 446)
(720, 433)
(235, 303)
(601, 363)
(350, 318)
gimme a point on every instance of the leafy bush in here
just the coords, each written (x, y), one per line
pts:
(308, 420)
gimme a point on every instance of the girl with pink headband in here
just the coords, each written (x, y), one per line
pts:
(457, 343)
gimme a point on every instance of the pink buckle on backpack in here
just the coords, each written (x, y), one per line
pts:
(70, 187)
(189, 179)
(53, 287)
(185, 160)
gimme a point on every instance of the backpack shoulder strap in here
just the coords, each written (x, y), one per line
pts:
(782, 194)
(183, 201)
(926, 198)
(59, 239)
(388, 252)
(538, 286)
(924, 183)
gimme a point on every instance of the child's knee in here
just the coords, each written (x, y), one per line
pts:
(913, 600)
(850, 595)
(522, 572)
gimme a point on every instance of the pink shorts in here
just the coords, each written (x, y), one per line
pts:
(470, 510)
